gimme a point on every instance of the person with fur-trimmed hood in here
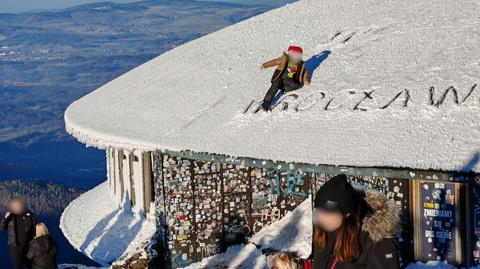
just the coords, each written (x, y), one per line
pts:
(290, 74)
(353, 229)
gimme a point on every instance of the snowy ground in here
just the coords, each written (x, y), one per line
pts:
(102, 229)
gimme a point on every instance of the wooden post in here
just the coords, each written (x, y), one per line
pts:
(120, 170)
(131, 159)
(147, 181)
(114, 174)
(109, 173)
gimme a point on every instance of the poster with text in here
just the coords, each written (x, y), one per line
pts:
(438, 221)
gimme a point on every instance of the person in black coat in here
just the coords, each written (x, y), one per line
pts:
(19, 222)
(353, 229)
(42, 250)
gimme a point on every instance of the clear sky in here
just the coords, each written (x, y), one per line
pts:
(8, 6)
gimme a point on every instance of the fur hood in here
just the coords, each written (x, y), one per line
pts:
(383, 221)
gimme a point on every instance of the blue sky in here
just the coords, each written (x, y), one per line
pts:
(8, 6)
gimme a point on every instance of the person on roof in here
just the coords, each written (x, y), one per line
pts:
(290, 74)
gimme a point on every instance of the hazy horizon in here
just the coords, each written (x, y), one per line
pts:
(19, 6)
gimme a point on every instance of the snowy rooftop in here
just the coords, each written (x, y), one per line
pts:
(193, 97)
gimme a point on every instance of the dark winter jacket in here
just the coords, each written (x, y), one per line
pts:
(9, 224)
(379, 249)
(281, 63)
(42, 253)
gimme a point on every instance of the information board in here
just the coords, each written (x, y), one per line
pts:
(438, 221)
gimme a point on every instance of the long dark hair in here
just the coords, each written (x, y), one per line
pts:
(347, 246)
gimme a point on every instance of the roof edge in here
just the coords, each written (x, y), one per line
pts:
(101, 140)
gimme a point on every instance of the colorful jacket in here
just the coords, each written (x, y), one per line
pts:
(281, 64)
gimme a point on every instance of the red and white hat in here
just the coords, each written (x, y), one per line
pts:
(295, 49)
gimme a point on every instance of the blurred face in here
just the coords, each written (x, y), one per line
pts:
(328, 221)
(295, 57)
(17, 207)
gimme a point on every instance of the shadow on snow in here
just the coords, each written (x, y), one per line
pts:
(315, 61)
(114, 238)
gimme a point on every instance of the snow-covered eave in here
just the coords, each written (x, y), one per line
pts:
(102, 140)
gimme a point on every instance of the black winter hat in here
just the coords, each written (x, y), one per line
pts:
(337, 195)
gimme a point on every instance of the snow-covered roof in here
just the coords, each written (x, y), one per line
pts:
(193, 97)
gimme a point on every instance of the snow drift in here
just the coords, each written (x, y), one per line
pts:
(102, 229)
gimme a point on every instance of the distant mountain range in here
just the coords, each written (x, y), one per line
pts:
(49, 59)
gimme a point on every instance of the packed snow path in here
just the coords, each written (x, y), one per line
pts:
(362, 54)
(101, 229)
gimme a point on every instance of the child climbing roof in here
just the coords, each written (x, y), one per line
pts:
(290, 74)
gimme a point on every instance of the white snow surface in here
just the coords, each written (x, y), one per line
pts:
(102, 229)
(291, 233)
(192, 97)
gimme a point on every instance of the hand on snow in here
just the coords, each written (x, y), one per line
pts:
(261, 67)
(7, 215)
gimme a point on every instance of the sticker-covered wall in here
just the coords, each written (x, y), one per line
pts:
(205, 206)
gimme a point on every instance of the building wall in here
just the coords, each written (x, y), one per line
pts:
(204, 207)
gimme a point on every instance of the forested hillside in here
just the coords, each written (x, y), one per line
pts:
(42, 197)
